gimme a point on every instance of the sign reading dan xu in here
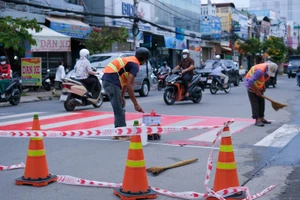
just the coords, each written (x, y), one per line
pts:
(51, 45)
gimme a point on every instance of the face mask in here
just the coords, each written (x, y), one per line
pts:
(3, 63)
(184, 56)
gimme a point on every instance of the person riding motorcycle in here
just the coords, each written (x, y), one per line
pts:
(187, 66)
(165, 68)
(5, 74)
(217, 71)
(83, 71)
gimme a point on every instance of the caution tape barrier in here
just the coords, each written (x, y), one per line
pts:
(10, 167)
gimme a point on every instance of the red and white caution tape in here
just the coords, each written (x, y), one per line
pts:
(10, 167)
(121, 131)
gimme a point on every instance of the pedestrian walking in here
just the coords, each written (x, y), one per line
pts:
(255, 84)
(59, 76)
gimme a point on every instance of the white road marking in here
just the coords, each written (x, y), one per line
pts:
(40, 118)
(20, 115)
(279, 138)
(209, 136)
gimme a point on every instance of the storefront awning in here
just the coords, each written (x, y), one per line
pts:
(226, 48)
(48, 40)
(70, 27)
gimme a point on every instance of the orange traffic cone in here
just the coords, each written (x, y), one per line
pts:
(135, 182)
(226, 172)
(36, 169)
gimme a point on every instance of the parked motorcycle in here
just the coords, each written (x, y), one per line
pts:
(161, 80)
(46, 82)
(175, 90)
(74, 94)
(13, 91)
(217, 84)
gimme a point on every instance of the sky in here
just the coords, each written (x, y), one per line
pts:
(237, 3)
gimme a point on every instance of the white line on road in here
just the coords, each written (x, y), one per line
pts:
(280, 137)
(20, 115)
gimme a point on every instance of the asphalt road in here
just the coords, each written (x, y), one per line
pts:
(259, 163)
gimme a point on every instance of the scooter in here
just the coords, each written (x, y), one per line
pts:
(46, 82)
(161, 80)
(13, 91)
(217, 84)
(175, 90)
(74, 94)
(271, 81)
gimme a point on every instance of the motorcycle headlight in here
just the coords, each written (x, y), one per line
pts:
(172, 82)
(20, 81)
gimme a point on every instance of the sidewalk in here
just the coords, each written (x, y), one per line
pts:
(32, 96)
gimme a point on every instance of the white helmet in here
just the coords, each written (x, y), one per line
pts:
(84, 53)
(218, 57)
(185, 51)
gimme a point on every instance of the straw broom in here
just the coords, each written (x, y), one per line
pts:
(158, 170)
(275, 104)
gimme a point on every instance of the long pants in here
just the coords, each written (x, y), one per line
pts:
(3, 85)
(224, 77)
(257, 105)
(113, 92)
(90, 84)
(186, 78)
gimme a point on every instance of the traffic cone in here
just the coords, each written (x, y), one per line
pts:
(226, 172)
(36, 169)
(135, 182)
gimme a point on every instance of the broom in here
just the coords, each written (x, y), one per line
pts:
(158, 170)
(275, 104)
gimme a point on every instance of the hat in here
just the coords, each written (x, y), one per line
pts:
(272, 68)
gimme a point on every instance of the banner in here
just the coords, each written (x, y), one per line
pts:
(31, 71)
(173, 43)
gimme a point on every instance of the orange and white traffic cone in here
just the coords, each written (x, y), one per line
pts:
(135, 182)
(36, 169)
(226, 172)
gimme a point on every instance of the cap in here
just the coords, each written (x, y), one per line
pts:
(272, 68)
(136, 123)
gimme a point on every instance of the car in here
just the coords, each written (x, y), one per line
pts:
(292, 68)
(143, 80)
(209, 65)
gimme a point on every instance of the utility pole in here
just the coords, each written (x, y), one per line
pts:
(135, 28)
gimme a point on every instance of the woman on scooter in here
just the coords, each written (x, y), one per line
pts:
(187, 66)
(4, 74)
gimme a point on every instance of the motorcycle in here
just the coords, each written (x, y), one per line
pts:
(13, 91)
(175, 90)
(217, 84)
(46, 82)
(161, 80)
(74, 94)
(271, 81)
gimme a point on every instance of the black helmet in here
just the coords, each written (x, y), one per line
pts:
(165, 63)
(142, 53)
(2, 58)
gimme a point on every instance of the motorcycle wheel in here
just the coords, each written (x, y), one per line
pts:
(227, 90)
(47, 86)
(159, 86)
(197, 100)
(16, 100)
(99, 102)
(213, 87)
(169, 96)
(69, 106)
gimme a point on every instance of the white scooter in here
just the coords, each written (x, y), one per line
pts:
(74, 94)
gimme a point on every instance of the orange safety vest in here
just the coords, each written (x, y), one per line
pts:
(261, 81)
(119, 64)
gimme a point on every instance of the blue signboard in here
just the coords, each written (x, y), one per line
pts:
(205, 25)
(211, 26)
(74, 31)
(179, 33)
(173, 43)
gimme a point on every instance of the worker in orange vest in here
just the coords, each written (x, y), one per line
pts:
(255, 84)
(118, 77)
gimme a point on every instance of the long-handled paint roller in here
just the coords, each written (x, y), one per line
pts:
(158, 170)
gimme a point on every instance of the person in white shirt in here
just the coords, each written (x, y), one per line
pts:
(59, 75)
(217, 71)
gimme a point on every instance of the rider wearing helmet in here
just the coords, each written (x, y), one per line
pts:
(5, 73)
(219, 67)
(118, 78)
(187, 66)
(83, 71)
(165, 68)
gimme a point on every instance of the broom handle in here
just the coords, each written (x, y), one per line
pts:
(267, 98)
(181, 163)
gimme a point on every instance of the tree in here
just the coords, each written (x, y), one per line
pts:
(100, 40)
(14, 33)
(251, 47)
(276, 49)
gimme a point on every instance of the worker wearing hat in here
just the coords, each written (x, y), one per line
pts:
(255, 84)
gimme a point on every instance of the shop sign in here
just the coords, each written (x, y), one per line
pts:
(31, 71)
(74, 31)
(51, 44)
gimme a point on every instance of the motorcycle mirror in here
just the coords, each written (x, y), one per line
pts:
(16, 58)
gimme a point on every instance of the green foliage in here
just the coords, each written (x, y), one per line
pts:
(14, 32)
(251, 46)
(276, 49)
(101, 40)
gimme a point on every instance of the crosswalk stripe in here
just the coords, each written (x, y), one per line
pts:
(30, 119)
(20, 115)
(76, 121)
(280, 137)
(209, 136)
